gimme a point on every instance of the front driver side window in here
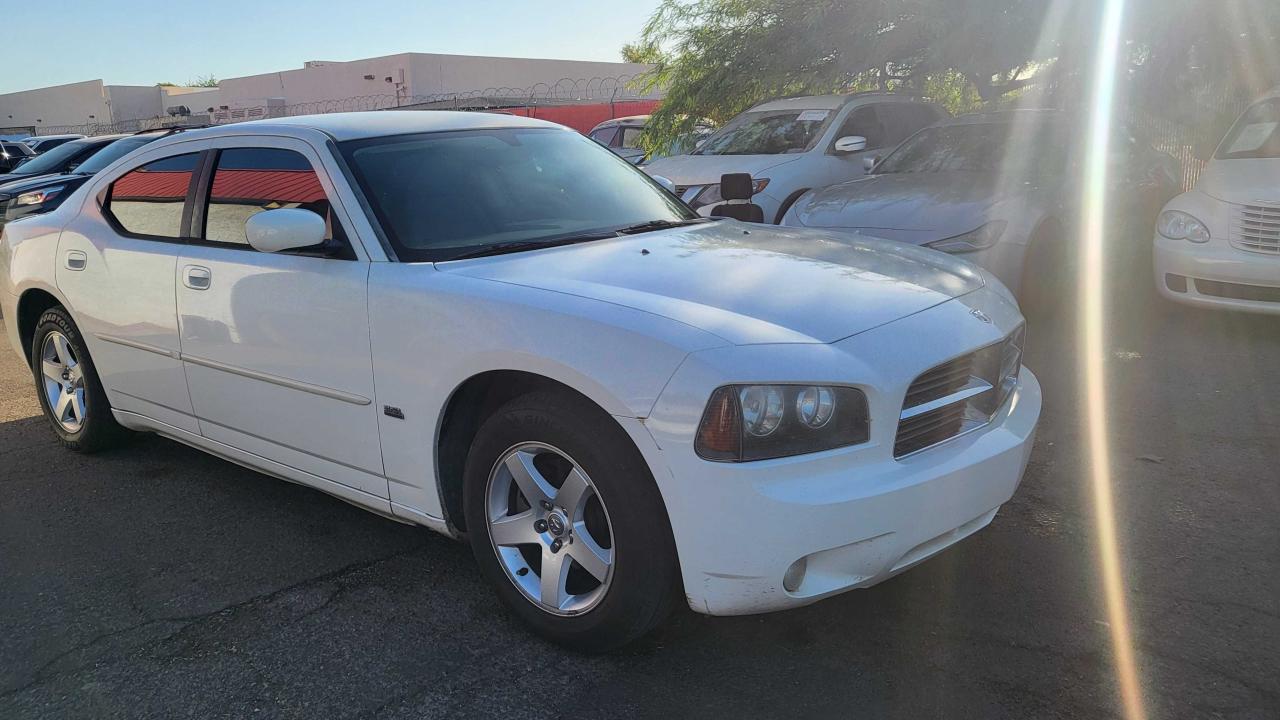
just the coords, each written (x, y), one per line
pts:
(149, 200)
(248, 181)
(864, 122)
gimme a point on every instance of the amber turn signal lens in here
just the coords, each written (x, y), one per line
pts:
(720, 434)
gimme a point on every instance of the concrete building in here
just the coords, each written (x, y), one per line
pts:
(318, 86)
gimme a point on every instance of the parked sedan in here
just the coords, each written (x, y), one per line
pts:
(44, 193)
(993, 188)
(61, 159)
(1219, 245)
(790, 146)
(12, 154)
(45, 143)
(622, 136)
(493, 327)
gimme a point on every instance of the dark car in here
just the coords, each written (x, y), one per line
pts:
(12, 153)
(61, 159)
(44, 143)
(36, 194)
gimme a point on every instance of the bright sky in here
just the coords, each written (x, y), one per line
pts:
(129, 42)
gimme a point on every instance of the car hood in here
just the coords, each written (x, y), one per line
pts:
(927, 205)
(6, 178)
(687, 170)
(1241, 181)
(745, 283)
(27, 183)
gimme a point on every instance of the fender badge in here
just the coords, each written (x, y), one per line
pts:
(394, 412)
(980, 315)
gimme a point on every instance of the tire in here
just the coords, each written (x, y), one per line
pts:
(1049, 275)
(564, 437)
(85, 423)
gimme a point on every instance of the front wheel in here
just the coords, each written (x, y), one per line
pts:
(567, 524)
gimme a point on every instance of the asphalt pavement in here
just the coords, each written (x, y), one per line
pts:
(156, 581)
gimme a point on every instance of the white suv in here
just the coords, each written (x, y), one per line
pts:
(1219, 245)
(495, 328)
(795, 145)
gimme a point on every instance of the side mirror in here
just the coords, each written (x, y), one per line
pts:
(851, 144)
(72, 167)
(284, 229)
(664, 182)
(869, 163)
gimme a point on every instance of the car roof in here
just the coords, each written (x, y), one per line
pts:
(628, 120)
(1006, 116)
(830, 102)
(369, 124)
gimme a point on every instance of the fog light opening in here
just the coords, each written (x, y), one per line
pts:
(794, 577)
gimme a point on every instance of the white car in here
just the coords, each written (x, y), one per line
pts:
(794, 145)
(1219, 245)
(495, 328)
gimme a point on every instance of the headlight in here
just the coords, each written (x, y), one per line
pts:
(38, 197)
(1177, 225)
(710, 194)
(980, 239)
(757, 422)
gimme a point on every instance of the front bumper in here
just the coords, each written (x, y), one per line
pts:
(1217, 276)
(855, 516)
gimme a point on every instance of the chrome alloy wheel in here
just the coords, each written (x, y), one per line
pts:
(63, 381)
(550, 529)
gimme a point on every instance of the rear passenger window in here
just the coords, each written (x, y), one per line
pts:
(149, 200)
(248, 181)
(604, 136)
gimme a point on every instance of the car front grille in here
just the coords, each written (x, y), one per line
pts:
(959, 395)
(1256, 228)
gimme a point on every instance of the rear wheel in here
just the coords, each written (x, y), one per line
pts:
(567, 524)
(67, 383)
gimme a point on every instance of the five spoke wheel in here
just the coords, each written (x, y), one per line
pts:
(63, 381)
(549, 528)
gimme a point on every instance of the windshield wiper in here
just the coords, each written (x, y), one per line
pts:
(522, 245)
(659, 225)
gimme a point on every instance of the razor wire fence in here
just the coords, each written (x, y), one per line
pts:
(620, 90)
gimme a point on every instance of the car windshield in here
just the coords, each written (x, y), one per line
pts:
(1023, 149)
(1255, 135)
(771, 132)
(442, 195)
(113, 152)
(52, 161)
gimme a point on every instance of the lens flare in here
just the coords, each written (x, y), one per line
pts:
(1092, 333)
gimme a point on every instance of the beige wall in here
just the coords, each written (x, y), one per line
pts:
(58, 105)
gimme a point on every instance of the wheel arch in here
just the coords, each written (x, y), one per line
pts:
(470, 403)
(787, 203)
(32, 303)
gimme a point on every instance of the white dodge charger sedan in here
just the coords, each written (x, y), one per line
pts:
(493, 327)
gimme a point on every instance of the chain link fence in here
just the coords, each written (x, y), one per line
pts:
(566, 91)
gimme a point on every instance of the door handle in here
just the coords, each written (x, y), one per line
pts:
(76, 260)
(196, 277)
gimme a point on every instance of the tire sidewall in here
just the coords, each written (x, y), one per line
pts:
(644, 556)
(95, 425)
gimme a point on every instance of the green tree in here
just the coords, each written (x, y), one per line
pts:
(641, 52)
(207, 81)
(716, 58)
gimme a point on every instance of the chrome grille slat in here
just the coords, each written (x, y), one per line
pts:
(1256, 228)
(957, 396)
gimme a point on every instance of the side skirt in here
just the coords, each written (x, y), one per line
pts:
(257, 463)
